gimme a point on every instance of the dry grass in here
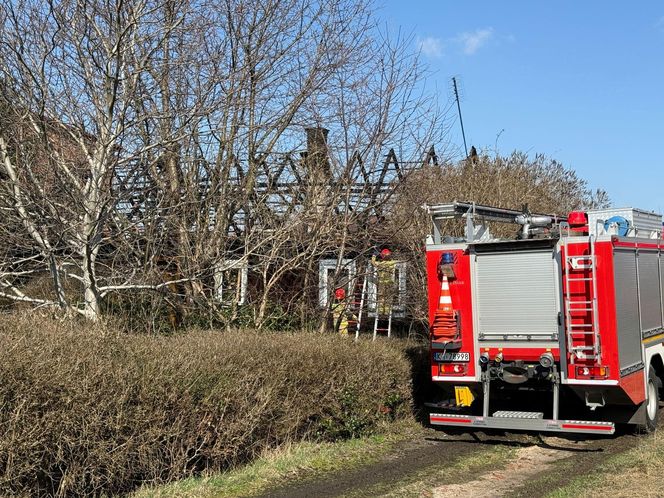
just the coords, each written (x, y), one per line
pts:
(636, 472)
(88, 413)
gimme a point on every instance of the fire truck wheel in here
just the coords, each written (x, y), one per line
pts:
(652, 402)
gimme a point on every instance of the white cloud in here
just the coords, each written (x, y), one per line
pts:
(474, 40)
(430, 46)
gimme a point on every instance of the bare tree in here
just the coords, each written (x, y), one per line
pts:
(73, 81)
(139, 142)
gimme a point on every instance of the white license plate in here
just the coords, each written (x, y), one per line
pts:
(451, 356)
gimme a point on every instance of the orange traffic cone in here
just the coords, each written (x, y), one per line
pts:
(444, 322)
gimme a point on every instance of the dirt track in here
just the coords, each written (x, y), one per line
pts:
(441, 465)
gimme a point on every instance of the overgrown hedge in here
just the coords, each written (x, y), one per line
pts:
(83, 412)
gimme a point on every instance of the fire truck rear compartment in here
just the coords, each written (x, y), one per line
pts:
(516, 293)
(638, 278)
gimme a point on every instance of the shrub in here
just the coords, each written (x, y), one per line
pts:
(89, 413)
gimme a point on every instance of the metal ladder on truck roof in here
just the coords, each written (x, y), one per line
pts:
(581, 317)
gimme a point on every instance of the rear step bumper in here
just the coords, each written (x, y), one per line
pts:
(522, 424)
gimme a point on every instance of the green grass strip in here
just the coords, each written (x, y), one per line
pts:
(291, 463)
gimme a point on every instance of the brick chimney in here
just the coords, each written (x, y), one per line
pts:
(316, 156)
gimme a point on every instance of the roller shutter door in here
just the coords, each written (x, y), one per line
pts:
(517, 296)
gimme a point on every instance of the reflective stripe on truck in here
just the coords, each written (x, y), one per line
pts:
(524, 423)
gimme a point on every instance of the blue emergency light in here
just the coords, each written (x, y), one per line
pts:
(447, 258)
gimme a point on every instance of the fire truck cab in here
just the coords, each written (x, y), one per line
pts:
(560, 328)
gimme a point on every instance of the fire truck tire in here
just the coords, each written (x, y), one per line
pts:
(652, 402)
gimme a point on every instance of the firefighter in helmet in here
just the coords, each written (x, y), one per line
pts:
(385, 284)
(339, 311)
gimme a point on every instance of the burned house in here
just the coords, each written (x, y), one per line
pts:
(359, 193)
(271, 236)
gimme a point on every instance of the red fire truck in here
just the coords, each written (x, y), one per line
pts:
(560, 328)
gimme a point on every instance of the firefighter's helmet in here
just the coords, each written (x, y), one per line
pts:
(339, 294)
(385, 253)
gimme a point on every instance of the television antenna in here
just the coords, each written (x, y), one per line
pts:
(458, 103)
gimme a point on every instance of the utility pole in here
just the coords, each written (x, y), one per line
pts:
(456, 97)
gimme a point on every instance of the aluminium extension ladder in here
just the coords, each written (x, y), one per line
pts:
(378, 318)
(382, 322)
(358, 303)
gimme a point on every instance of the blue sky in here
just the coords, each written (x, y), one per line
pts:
(582, 82)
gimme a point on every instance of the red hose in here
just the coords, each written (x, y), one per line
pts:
(444, 325)
(444, 322)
